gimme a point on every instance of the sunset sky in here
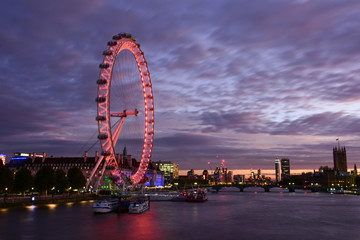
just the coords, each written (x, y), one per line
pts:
(247, 81)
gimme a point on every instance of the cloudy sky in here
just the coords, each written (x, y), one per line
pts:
(243, 80)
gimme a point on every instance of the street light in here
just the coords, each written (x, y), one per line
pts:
(5, 195)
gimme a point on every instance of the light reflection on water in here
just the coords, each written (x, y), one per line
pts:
(227, 215)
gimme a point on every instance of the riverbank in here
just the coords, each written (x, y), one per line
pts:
(18, 201)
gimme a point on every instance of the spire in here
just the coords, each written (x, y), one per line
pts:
(125, 153)
(355, 170)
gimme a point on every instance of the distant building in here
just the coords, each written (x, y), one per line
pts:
(230, 177)
(217, 175)
(277, 170)
(285, 168)
(205, 175)
(328, 178)
(239, 179)
(257, 179)
(3, 159)
(223, 175)
(170, 170)
(35, 162)
(340, 160)
(191, 173)
(355, 173)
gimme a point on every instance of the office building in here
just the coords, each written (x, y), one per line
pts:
(170, 170)
(285, 168)
(277, 170)
(3, 159)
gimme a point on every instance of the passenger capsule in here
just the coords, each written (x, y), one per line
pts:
(107, 52)
(112, 43)
(122, 34)
(100, 118)
(100, 99)
(117, 37)
(102, 136)
(104, 65)
(101, 81)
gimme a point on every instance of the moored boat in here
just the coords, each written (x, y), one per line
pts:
(105, 205)
(140, 205)
(197, 195)
(181, 197)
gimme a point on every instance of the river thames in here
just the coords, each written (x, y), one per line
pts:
(227, 215)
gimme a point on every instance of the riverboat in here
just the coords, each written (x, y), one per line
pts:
(140, 205)
(105, 205)
(197, 195)
(181, 197)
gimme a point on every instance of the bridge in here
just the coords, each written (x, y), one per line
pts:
(241, 187)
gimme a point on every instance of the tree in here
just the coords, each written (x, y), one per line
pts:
(62, 183)
(23, 180)
(357, 181)
(45, 179)
(76, 178)
(6, 179)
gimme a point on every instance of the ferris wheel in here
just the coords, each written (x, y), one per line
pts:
(125, 104)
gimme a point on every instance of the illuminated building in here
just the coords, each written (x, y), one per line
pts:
(170, 170)
(230, 177)
(217, 174)
(259, 173)
(340, 160)
(35, 162)
(223, 175)
(3, 158)
(205, 175)
(328, 178)
(239, 179)
(285, 168)
(277, 170)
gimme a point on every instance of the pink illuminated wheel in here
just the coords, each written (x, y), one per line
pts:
(124, 104)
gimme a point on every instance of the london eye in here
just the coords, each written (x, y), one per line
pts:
(125, 111)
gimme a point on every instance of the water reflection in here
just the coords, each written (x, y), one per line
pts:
(232, 215)
(51, 206)
(31, 207)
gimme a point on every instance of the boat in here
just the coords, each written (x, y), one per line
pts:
(197, 195)
(181, 197)
(140, 205)
(106, 205)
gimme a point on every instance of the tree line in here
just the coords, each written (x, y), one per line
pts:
(46, 180)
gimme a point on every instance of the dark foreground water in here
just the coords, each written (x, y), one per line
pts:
(228, 215)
